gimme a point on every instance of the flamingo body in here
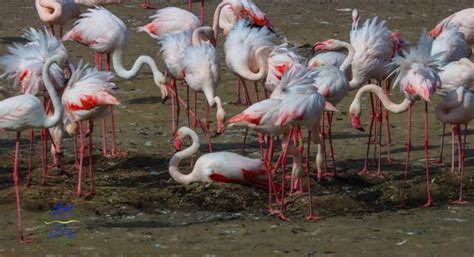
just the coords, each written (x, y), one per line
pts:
(171, 20)
(464, 19)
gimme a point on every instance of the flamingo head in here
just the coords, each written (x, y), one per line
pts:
(328, 45)
(259, 19)
(356, 123)
(355, 18)
(220, 117)
(178, 144)
(355, 111)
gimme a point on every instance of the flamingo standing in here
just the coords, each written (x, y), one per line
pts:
(170, 20)
(24, 65)
(57, 12)
(450, 46)
(25, 112)
(457, 108)
(104, 32)
(88, 96)
(418, 79)
(225, 167)
(246, 52)
(279, 61)
(464, 19)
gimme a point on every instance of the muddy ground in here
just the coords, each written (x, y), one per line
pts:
(140, 211)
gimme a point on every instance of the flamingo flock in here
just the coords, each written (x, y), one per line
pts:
(62, 96)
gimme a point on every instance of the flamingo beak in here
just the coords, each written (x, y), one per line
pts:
(317, 47)
(330, 107)
(356, 123)
(164, 95)
(425, 95)
(220, 127)
(178, 144)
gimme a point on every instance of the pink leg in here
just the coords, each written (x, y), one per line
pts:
(453, 142)
(173, 109)
(242, 150)
(51, 28)
(379, 146)
(104, 138)
(147, 5)
(207, 115)
(190, 5)
(323, 148)
(177, 106)
(188, 103)
(429, 199)
(330, 116)
(91, 159)
(461, 199)
(388, 136)
(407, 161)
(16, 181)
(45, 150)
(202, 11)
(256, 91)
(440, 161)
(282, 215)
(365, 170)
(312, 215)
(195, 109)
(81, 159)
(32, 136)
(239, 97)
(115, 151)
(76, 157)
(247, 96)
(271, 186)
(207, 128)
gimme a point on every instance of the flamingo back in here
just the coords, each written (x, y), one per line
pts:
(171, 20)
(451, 46)
(100, 30)
(172, 50)
(456, 74)
(331, 82)
(279, 60)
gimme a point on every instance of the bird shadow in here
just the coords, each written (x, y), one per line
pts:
(144, 100)
(10, 40)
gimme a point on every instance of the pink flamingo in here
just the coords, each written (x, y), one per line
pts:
(25, 112)
(246, 52)
(170, 20)
(104, 32)
(24, 65)
(88, 95)
(229, 12)
(224, 167)
(457, 108)
(57, 12)
(418, 78)
(279, 61)
(173, 49)
(464, 19)
(450, 46)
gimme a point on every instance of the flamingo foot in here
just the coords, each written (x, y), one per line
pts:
(78, 193)
(24, 240)
(438, 162)
(117, 154)
(363, 172)
(282, 216)
(147, 6)
(272, 211)
(429, 203)
(314, 217)
(328, 174)
(460, 201)
(379, 174)
(90, 194)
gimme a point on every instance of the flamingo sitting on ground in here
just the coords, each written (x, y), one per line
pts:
(457, 108)
(225, 167)
(246, 52)
(418, 79)
(104, 32)
(25, 112)
(464, 19)
(57, 12)
(88, 96)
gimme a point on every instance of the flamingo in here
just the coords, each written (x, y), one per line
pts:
(104, 32)
(225, 167)
(279, 61)
(24, 65)
(170, 20)
(173, 46)
(451, 46)
(57, 12)
(88, 96)
(93, 3)
(25, 112)
(418, 79)
(464, 19)
(229, 12)
(457, 108)
(246, 50)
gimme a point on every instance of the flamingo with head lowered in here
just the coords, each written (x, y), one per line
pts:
(25, 112)
(104, 32)
(57, 12)
(418, 79)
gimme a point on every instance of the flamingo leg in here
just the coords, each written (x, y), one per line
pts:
(323, 145)
(207, 128)
(195, 110)
(51, 28)
(202, 11)
(44, 146)
(242, 150)
(453, 142)
(173, 109)
(429, 199)
(239, 97)
(284, 154)
(312, 215)
(256, 91)
(330, 116)
(76, 156)
(248, 102)
(365, 170)
(271, 186)
(440, 161)
(91, 159)
(190, 5)
(104, 137)
(188, 103)
(16, 181)
(147, 5)
(379, 147)
(30, 158)
(81, 159)
(407, 161)
(461, 199)
(177, 106)
(386, 117)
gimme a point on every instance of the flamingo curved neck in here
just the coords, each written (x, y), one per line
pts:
(447, 103)
(51, 121)
(380, 93)
(355, 82)
(133, 72)
(200, 33)
(216, 17)
(350, 55)
(177, 157)
(44, 11)
(262, 66)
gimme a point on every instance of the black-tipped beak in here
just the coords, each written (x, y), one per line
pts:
(163, 100)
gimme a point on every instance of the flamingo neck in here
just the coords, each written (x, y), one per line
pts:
(355, 108)
(44, 10)
(133, 72)
(200, 33)
(177, 157)
(262, 66)
(52, 120)
(216, 17)
(350, 55)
